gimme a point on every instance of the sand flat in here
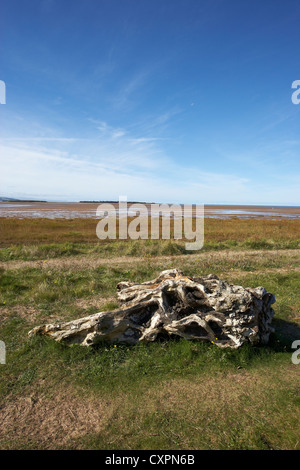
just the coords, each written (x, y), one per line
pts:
(73, 210)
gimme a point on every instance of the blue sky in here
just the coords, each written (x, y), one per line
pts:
(159, 100)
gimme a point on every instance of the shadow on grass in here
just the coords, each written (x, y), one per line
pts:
(285, 333)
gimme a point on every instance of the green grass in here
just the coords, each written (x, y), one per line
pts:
(174, 367)
(46, 284)
(111, 368)
(146, 248)
(174, 394)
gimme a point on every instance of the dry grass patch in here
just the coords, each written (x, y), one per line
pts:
(50, 422)
(98, 302)
(28, 313)
(246, 409)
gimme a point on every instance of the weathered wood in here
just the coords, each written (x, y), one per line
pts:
(204, 309)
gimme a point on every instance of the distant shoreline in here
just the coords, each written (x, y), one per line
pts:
(19, 200)
(217, 206)
(148, 204)
(74, 210)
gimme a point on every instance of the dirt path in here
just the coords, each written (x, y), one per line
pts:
(93, 261)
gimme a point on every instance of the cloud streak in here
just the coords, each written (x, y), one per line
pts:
(41, 171)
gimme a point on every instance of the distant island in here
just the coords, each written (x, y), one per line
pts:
(11, 199)
(113, 202)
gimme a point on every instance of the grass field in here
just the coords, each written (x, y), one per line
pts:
(169, 395)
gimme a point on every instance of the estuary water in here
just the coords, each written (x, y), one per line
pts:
(74, 210)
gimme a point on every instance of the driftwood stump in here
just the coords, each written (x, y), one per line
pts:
(204, 309)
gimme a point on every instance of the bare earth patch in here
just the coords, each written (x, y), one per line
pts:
(22, 311)
(51, 422)
(97, 301)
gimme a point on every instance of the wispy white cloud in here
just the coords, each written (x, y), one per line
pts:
(107, 130)
(124, 96)
(52, 173)
(140, 140)
(122, 161)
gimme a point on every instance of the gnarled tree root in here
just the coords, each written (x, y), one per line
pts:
(204, 309)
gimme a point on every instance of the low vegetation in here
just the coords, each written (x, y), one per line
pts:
(257, 233)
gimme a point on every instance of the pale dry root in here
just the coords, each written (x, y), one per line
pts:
(204, 309)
